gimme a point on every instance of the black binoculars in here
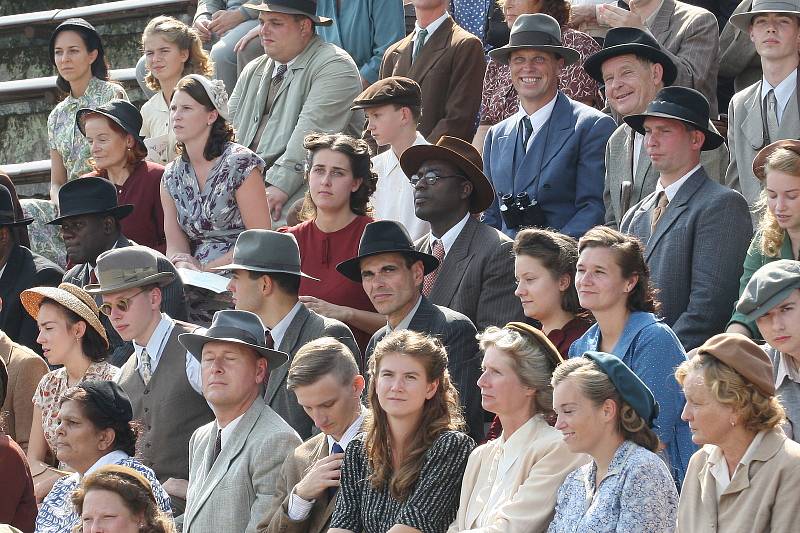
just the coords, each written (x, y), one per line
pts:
(519, 211)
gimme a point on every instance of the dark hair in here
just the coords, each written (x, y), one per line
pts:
(558, 9)
(358, 152)
(92, 344)
(125, 432)
(133, 155)
(288, 283)
(92, 42)
(221, 131)
(629, 253)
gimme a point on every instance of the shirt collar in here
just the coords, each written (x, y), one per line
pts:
(278, 63)
(108, 459)
(407, 319)
(281, 327)
(394, 162)
(783, 91)
(787, 368)
(353, 430)
(155, 345)
(719, 466)
(432, 27)
(450, 236)
(2, 269)
(228, 430)
(538, 118)
(672, 189)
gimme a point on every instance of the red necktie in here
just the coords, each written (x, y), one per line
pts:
(430, 279)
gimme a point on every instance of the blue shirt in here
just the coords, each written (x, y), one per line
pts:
(637, 496)
(364, 29)
(651, 349)
(471, 15)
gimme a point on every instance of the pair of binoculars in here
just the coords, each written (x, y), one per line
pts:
(520, 212)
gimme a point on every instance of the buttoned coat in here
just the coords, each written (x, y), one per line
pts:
(695, 255)
(746, 138)
(25, 369)
(761, 497)
(235, 492)
(315, 96)
(690, 37)
(619, 168)
(564, 169)
(738, 59)
(305, 327)
(449, 70)
(476, 277)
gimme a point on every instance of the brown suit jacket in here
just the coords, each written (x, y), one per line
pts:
(450, 71)
(25, 370)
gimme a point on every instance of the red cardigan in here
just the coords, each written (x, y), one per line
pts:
(17, 503)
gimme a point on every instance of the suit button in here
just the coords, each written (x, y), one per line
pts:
(146, 410)
(147, 391)
(147, 445)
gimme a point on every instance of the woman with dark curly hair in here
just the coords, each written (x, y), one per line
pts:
(95, 429)
(404, 472)
(613, 283)
(335, 211)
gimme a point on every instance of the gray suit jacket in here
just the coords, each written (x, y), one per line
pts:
(306, 326)
(457, 333)
(695, 255)
(476, 277)
(235, 492)
(619, 165)
(738, 58)
(690, 36)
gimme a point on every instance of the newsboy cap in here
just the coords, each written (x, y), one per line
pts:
(742, 355)
(397, 90)
(769, 286)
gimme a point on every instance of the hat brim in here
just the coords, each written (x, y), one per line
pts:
(743, 20)
(32, 300)
(482, 191)
(251, 268)
(351, 268)
(119, 212)
(594, 63)
(713, 139)
(761, 157)
(21, 222)
(319, 21)
(770, 303)
(161, 279)
(569, 55)
(194, 342)
(85, 111)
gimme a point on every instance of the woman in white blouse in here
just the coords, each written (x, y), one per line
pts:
(510, 483)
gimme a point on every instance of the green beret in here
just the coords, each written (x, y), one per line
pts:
(768, 287)
(631, 389)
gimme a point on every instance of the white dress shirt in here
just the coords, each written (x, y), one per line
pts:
(450, 236)
(432, 27)
(672, 189)
(719, 466)
(229, 428)
(538, 119)
(281, 327)
(783, 92)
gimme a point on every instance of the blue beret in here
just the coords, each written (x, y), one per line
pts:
(631, 389)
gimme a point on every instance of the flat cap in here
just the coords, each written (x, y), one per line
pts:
(742, 355)
(630, 387)
(392, 90)
(768, 287)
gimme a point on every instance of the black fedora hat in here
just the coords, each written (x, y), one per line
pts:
(623, 41)
(123, 113)
(82, 27)
(384, 237)
(684, 104)
(292, 7)
(8, 216)
(89, 196)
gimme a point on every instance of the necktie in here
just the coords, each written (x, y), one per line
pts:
(269, 342)
(274, 85)
(658, 210)
(771, 114)
(336, 448)
(527, 131)
(217, 446)
(430, 279)
(421, 36)
(145, 366)
(92, 277)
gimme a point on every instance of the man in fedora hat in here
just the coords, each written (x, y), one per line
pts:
(235, 461)
(300, 86)
(392, 271)
(267, 284)
(476, 264)
(89, 219)
(634, 67)
(696, 232)
(160, 372)
(545, 161)
(448, 62)
(20, 269)
(768, 110)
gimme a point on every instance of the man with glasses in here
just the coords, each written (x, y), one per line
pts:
(161, 378)
(476, 271)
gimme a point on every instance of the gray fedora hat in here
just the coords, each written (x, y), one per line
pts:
(263, 250)
(762, 7)
(292, 7)
(769, 286)
(237, 327)
(120, 269)
(539, 32)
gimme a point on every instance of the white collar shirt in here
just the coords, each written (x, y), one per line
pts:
(279, 331)
(432, 27)
(450, 236)
(538, 118)
(783, 91)
(672, 189)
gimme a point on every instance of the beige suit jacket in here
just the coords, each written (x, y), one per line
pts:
(25, 370)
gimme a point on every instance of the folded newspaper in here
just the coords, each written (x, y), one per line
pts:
(204, 280)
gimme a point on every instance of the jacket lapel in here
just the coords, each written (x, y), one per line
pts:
(661, 21)
(790, 121)
(752, 125)
(675, 208)
(770, 445)
(431, 51)
(421, 319)
(454, 265)
(559, 129)
(299, 64)
(277, 376)
(708, 493)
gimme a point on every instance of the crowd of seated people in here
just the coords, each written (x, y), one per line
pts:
(543, 288)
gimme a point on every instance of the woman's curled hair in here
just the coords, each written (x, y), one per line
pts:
(221, 130)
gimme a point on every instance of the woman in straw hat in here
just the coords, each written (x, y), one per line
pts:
(71, 335)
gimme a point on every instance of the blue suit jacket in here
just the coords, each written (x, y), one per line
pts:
(567, 156)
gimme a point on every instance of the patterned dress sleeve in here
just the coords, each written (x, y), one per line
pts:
(240, 163)
(347, 513)
(42, 390)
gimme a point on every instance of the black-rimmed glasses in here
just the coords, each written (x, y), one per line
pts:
(430, 178)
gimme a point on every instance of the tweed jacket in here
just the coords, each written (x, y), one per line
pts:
(173, 302)
(738, 58)
(690, 37)
(695, 255)
(476, 277)
(761, 497)
(450, 71)
(619, 168)
(746, 138)
(563, 169)
(306, 326)
(457, 333)
(24, 269)
(235, 492)
(25, 369)
(315, 96)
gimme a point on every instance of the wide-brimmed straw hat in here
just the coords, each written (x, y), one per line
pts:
(536, 32)
(71, 297)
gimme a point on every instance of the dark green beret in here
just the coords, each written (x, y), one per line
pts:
(392, 90)
(768, 287)
(631, 389)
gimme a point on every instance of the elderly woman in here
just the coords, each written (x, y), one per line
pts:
(94, 430)
(778, 237)
(606, 411)
(745, 477)
(510, 483)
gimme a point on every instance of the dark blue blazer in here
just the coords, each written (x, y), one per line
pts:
(567, 157)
